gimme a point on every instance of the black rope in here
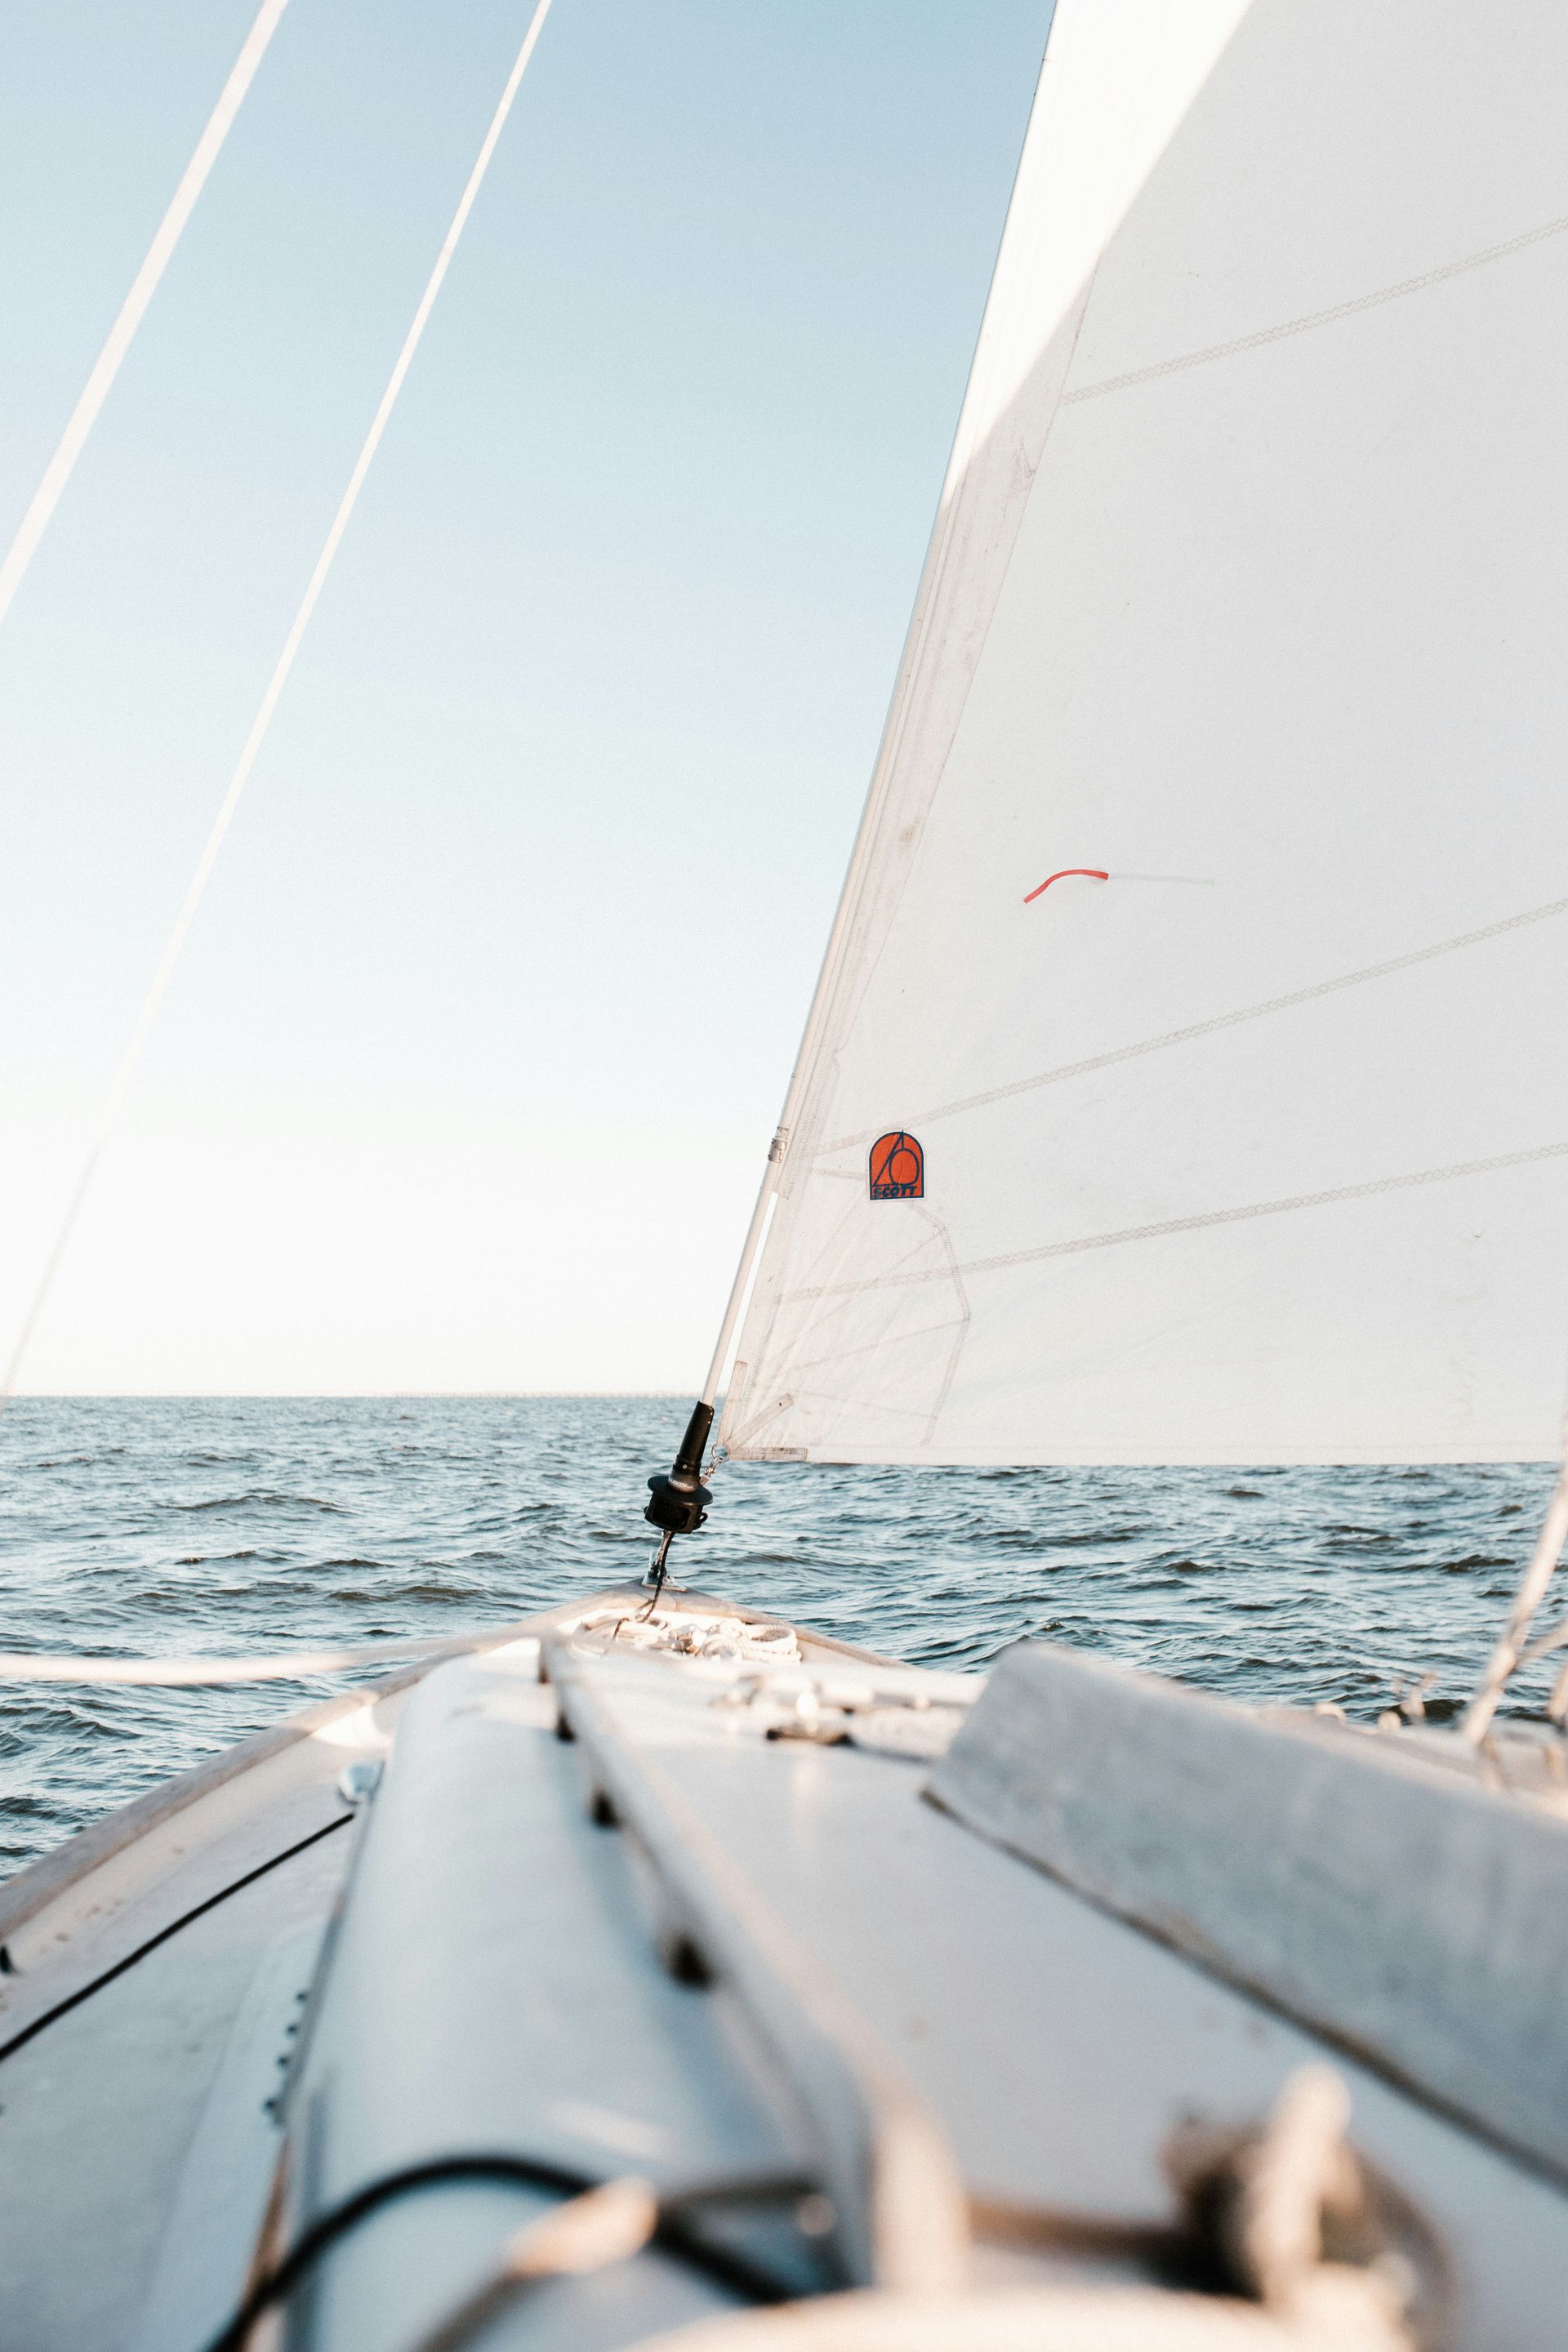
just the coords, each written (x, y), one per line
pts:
(672, 2235)
(235, 1887)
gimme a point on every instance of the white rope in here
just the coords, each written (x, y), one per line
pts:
(602, 2226)
(269, 701)
(1531, 1592)
(283, 1666)
(1542, 1647)
(96, 391)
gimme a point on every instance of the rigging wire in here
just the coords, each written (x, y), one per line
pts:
(97, 389)
(121, 1082)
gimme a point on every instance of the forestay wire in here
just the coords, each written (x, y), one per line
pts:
(121, 1082)
(100, 383)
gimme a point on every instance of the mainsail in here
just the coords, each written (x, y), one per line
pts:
(1247, 593)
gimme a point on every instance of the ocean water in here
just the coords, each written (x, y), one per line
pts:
(162, 1526)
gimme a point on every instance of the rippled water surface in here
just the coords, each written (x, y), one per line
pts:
(196, 1524)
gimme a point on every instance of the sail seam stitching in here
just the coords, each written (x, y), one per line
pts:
(1208, 1217)
(1219, 1021)
(1318, 318)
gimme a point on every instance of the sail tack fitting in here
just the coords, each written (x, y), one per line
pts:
(678, 1499)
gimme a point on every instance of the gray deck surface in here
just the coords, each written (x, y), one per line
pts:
(1060, 2045)
(97, 2112)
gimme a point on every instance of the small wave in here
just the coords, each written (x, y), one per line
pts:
(28, 1804)
(1047, 1538)
(261, 1500)
(1442, 1710)
(467, 1595)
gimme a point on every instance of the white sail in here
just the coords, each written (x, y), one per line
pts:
(1250, 589)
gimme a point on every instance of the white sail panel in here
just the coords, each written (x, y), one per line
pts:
(1250, 589)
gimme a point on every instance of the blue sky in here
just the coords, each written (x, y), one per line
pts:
(465, 1080)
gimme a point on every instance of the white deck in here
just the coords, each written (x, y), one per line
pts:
(1055, 2045)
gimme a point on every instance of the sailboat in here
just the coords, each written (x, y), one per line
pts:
(1182, 1086)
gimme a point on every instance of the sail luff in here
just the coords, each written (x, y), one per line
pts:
(971, 421)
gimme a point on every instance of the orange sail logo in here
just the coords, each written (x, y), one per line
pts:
(897, 1168)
